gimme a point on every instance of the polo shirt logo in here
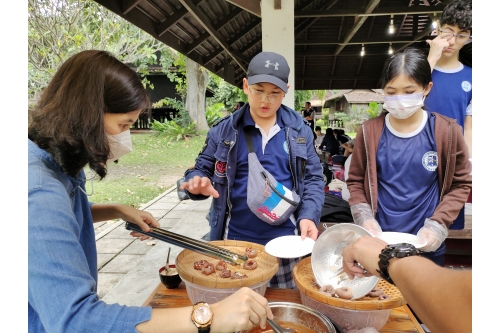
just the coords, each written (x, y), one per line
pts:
(466, 86)
(430, 161)
(301, 140)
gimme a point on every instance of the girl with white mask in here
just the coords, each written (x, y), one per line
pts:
(410, 171)
(83, 118)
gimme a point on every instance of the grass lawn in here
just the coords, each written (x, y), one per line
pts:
(153, 166)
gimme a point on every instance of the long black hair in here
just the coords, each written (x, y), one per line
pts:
(411, 62)
(68, 120)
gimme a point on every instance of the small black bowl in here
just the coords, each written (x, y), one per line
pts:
(172, 280)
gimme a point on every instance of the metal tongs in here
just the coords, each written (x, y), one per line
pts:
(190, 244)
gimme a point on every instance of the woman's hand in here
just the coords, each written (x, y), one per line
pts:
(308, 229)
(142, 218)
(200, 185)
(241, 311)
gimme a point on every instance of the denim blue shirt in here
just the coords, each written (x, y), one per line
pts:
(62, 256)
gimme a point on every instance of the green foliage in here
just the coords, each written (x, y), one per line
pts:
(301, 96)
(58, 29)
(344, 117)
(321, 123)
(355, 119)
(374, 109)
(174, 130)
(183, 119)
(225, 93)
(214, 113)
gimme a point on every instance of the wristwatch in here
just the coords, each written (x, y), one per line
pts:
(400, 250)
(202, 317)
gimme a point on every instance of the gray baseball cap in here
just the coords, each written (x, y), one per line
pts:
(269, 67)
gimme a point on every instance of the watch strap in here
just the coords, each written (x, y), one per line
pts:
(394, 251)
(204, 329)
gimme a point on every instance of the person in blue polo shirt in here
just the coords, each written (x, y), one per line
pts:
(284, 146)
(410, 171)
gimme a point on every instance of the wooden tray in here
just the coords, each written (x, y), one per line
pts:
(267, 266)
(304, 279)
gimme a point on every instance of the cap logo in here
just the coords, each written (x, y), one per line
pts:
(268, 62)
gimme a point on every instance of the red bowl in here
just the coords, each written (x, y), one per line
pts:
(172, 280)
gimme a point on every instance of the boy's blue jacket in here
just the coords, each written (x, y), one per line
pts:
(306, 168)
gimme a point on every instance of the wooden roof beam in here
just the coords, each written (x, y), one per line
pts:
(368, 9)
(382, 41)
(225, 20)
(128, 5)
(234, 39)
(170, 21)
(418, 37)
(195, 12)
(301, 30)
(377, 12)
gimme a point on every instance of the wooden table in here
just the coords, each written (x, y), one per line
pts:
(401, 319)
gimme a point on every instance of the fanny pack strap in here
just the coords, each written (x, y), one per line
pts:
(248, 139)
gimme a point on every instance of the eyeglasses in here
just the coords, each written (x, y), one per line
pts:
(461, 38)
(260, 94)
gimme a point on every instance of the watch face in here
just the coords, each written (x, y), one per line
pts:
(202, 314)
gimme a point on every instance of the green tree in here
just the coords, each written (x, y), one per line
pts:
(373, 109)
(58, 29)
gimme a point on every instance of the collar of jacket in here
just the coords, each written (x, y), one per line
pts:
(290, 117)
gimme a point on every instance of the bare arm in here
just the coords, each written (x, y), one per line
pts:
(468, 133)
(441, 297)
(105, 212)
(238, 312)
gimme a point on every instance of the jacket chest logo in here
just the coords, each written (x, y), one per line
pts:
(220, 168)
(301, 140)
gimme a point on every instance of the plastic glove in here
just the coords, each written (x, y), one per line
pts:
(363, 216)
(373, 227)
(432, 234)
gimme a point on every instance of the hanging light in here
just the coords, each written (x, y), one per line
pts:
(362, 49)
(390, 48)
(391, 26)
(434, 22)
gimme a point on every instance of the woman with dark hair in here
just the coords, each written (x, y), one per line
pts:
(330, 143)
(410, 170)
(83, 118)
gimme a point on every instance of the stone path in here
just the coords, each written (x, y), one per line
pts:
(128, 267)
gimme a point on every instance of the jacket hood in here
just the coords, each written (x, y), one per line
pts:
(289, 117)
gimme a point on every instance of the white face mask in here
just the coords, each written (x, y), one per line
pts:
(403, 106)
(119, 145)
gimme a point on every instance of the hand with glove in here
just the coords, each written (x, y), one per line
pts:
(363, 216)
(432, 234)
(373, 227)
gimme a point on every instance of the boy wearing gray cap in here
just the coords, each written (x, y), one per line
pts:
(261, 168)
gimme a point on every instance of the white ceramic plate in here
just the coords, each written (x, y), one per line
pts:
(400, 237)
(289, 247)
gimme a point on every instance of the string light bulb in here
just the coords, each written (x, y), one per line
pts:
(391, 26)
(390, 48)
(362, 49)
(434, 22)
